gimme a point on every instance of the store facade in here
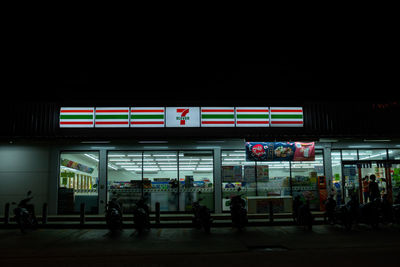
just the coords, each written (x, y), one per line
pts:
(139, 152)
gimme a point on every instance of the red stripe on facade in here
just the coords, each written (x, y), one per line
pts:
(252, 110)
(251, 122)
(147, 110)
(111, 122)
(286, 110)
(76, 122)
(147, 122)
(217, 122)
(113, 110)
(217, 110)
(76, 110)
(286, 122)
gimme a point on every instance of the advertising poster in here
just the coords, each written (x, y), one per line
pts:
(262, 173)
(304, 151)
(249, 174)
(231, 173)
(280, 151)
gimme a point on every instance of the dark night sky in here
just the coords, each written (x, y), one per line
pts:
(313, 77)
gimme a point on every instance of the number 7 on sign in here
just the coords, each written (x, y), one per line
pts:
(182, 118)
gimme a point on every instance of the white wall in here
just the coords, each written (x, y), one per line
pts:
(23, 168)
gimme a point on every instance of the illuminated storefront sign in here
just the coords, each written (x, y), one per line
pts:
(280, 151)
(180, 117)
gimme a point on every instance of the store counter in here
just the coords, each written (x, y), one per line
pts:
(260, 204)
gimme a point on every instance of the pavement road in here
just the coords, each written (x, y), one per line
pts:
(256, 246)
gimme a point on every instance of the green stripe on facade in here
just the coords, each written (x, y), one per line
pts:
(289, 116)
(76, 117)
(216, 116)
(147, 117)
(111, 117)
(252, 116)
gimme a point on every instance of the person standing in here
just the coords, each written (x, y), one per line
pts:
(365, 185)
(373, 188)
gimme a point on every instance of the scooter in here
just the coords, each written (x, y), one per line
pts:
(114, 215)
(25, 214)
(141, 216)
(202, 216)
(238, 212)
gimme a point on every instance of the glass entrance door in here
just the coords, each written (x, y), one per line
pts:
(351, 184)
(394, 173)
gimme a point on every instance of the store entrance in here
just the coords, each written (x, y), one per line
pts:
(357, 175)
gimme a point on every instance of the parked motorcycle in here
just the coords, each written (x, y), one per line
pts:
(114, 215)
(202, 216)
(141, 216)
(330, 206)
(304, 216)
(25, 214)
(238, 211)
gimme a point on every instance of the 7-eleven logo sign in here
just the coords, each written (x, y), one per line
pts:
(183, 117)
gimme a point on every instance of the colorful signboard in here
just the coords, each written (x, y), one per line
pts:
(112, 117)
(280, 151)
(252, 117)
(147, 117)
(77, 117)
(217, 117)
(286, 116)
(182, 117)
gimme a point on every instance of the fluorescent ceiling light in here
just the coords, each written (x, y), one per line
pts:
(95, 142)
(361, 146)
(153, 142)
(377, 140)
(92, 157)
(115, 155)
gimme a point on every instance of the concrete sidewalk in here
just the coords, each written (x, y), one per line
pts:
(256, 246)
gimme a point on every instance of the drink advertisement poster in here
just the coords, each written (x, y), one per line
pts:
(280, 151)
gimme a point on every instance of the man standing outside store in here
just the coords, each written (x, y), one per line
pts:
(365, 185)
(373, 188)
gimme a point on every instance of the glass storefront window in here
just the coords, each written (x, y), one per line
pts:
(394, 154)
(337, 175)
(78, 182)
(372, 154)
(305, 177)
(349, 155)
(196, 175)
(160, 177)
(236, 173)
(124, 178)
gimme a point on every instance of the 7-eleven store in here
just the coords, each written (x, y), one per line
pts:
(174, 155)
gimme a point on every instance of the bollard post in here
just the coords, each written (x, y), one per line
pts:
(82, 214)
(271, 212)
(44, 213)
(7, 213)
(157, 212)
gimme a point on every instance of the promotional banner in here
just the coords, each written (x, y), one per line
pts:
(280, 151)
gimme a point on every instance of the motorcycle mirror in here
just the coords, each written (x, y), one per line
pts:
(29, 193)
